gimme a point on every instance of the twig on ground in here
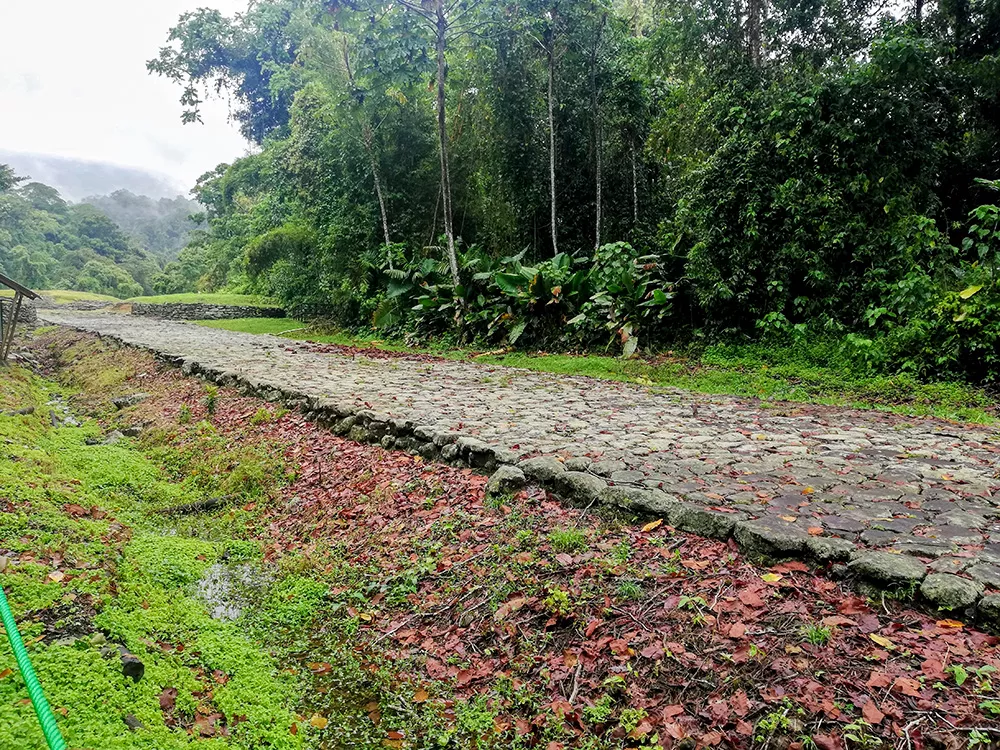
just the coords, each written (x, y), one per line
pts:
(576, 683)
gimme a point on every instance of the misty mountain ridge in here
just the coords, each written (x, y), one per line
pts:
(78, 179)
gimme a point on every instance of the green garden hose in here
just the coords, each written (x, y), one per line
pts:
(42, 710)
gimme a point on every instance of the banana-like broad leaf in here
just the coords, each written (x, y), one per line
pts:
(395, 289)
(511, 283)
(515, 331)
(630, 346)
(387, 314)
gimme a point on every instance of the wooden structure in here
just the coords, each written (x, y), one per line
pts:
(7, 326)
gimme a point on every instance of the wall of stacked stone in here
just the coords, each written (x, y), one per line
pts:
(28, 314)
(204, 311)
(312, 311)
(47, 303)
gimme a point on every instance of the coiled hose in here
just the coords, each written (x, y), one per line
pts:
(42, 710)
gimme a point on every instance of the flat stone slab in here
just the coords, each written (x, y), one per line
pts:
(801, 473)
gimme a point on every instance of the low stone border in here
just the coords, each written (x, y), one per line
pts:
(84, 305)
(876, 571)
(203, 311)
(27, 313)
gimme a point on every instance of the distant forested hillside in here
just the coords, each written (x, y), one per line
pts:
(161, 226)
(48, 243)
(75, 179)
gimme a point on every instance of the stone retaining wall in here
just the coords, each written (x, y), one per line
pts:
(27, 314)
(47, 303)
(204, 311)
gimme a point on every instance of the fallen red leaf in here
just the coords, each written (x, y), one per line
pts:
(871, 713)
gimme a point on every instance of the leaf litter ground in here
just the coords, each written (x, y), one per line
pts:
(566, 628)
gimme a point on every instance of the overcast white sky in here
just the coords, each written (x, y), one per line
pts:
(73, 82)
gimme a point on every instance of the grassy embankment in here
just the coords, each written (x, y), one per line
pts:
(62, 296)
(208, 299)
(809, 374)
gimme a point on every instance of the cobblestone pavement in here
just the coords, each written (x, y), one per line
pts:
(927, 487)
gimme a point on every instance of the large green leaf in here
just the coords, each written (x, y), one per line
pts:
(970, 291)
(515, 331)
(396, 289)
(387, 314)
(512, 283)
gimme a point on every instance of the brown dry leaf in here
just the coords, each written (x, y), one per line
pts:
(56, 576)
(871, 713)
(6, 673)
(319, 721)
(509, 607)
(420, 696)
(652, 525)
(319, 667)
(950, 624)
(907, 686)
(837, 621)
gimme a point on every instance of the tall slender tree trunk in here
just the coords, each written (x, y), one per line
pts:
(598, 154)
(552, 150)
(368, 140)
(376, 175)
(635, 189)
(442, 72)
(599, 168)
(755, 20)
(918, 16)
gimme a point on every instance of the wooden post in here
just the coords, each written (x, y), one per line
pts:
(8, 334)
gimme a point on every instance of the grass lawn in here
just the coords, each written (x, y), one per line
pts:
(772, 374)
(61, 296)
(210, 299)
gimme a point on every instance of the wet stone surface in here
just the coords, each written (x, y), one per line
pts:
(886, 482)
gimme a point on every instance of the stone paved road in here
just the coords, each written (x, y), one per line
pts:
(882, 481)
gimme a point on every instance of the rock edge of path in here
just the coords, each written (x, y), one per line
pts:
(873, 571)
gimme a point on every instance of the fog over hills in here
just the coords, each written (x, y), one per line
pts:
(76, 179)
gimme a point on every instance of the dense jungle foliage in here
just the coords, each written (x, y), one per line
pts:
(49, 243)
(619, 175)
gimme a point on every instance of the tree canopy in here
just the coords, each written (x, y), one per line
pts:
(49, 243)
(612, 173)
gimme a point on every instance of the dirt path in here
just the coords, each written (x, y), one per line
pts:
(879, 480)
